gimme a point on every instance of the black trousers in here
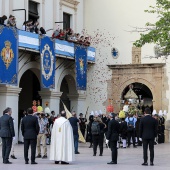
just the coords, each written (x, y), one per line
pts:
(83, 131)
(147, 142)
(27, 143)
(113, 147)
(98, 140)
(131, 134)
(6, 148)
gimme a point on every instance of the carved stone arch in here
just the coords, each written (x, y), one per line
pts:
(33, 66)
(139, 80)
(70, 77)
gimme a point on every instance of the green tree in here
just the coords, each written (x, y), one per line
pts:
(159, 32)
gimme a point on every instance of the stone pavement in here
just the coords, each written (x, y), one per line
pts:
(128, 159)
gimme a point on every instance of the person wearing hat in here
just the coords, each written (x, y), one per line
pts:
(82, 123)
(113, 137)
(161, 127)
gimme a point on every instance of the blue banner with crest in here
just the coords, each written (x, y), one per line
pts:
(8, 55)
(81, 66)
(48, 62)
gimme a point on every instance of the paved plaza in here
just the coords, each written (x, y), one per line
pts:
(129, 159)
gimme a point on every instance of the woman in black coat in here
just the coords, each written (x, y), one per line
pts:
(123, 131)
(89, 134)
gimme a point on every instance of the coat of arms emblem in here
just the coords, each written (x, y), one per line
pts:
(7, 54)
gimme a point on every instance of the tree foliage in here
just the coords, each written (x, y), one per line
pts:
(158, 32)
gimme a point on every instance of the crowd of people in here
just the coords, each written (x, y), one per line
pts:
(42, 126)
(70, 36)
(30, 25)
(33, 26)
(10, 22)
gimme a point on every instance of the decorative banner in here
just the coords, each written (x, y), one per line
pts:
(81, 66)
(48, 62)
(8, 55)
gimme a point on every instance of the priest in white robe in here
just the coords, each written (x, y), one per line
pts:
(62, 141)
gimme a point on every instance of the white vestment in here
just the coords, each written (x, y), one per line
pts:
(62, 141)
(20, 138)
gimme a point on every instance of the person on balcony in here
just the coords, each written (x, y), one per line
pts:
(61, 35)
(81, 40)
(2, 20)
(29, 25)
(24, 25)
(86, 41)
(11, 21)
(56, 33)
(35, 27)
(42, 31)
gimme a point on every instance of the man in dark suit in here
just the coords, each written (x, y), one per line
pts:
(113, 137)
(74, 123)
(6, 133)
(148, 132)
(30, 130)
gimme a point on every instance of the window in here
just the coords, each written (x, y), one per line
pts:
(66, 20)
(33, 11)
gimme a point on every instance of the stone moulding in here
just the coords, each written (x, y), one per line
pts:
(70, 3)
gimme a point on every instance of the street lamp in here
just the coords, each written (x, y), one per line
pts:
(21, 10)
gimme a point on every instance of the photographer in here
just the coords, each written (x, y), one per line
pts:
(41, 138)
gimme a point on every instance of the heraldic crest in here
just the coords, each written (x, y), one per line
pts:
(47, 59)
(7, 54)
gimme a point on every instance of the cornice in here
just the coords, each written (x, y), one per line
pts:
(70, 3)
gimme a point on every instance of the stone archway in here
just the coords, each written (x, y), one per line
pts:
(140, 90)
(151, 75)
(67, 86)
(30, 85)
(69, 93)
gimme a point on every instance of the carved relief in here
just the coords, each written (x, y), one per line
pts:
(70, 3)
(141, 73)
(136, 55)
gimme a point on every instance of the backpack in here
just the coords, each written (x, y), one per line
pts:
(130, 124)
(95, 128)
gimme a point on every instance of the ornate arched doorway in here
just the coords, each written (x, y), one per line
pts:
(150, 75)
(139, 94)
(69, 93)
(30, 86)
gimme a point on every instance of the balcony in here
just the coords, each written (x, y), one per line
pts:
(65, 49)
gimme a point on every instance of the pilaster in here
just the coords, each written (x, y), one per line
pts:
(52, 97)
(9, 96)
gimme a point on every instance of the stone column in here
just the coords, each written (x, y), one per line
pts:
(52, 97)
(9, 98)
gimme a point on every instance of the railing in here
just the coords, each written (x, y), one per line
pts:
(62, 48)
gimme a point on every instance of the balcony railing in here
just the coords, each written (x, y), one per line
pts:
(62, 48)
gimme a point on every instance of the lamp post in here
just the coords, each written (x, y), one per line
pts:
(21, 10)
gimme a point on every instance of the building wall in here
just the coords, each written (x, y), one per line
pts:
(50, 11)
(117, 21)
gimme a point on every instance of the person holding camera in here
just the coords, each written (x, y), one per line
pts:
(41, 138)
